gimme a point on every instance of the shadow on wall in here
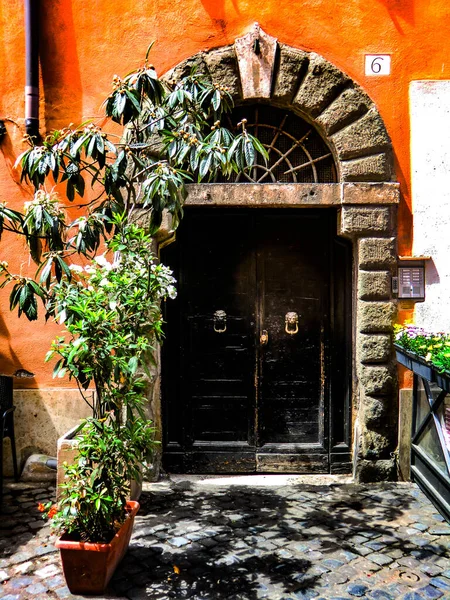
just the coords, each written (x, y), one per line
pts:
(431, 272)
(9, 361)
(60, 65)
(216, 10)
(10, 156)
(400, 9)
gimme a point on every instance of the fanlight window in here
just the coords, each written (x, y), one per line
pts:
(297, 153)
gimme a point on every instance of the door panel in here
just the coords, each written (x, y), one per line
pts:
(231, 404)
(217, 366)
(293, 277)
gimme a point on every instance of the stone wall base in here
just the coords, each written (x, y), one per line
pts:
(40, 418)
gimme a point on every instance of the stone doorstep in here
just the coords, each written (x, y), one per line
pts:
(256, 481)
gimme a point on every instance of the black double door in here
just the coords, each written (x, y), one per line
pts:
(247, 358)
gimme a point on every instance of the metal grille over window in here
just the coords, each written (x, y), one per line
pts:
(297, 153)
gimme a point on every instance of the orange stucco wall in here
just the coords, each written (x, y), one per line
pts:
(84, 43)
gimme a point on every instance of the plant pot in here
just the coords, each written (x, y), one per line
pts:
(88, 567)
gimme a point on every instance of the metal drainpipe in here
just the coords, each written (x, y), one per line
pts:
(32, 68)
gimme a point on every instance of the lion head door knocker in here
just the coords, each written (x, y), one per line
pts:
(291, 323)
(220, 321)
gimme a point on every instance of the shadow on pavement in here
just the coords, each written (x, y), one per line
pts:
(242, 543)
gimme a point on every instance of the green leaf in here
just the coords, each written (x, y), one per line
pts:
(46, 272)
(133, 96)
(91, 147)
(133, 364)
(204, 166)
(216, 99)
(249, 153)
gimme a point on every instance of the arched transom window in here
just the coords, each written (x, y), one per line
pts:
(297, 153)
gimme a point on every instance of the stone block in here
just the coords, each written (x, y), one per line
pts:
(378, 379)
(267, 195)
(378, 167)
(377, 253)
(375, 410)
(37, 469)
(184, 68)
(363, 220)
(256, 69)
(322, 83)
(376, 317)
(366, 135)
(370, 193)
(374, 285)
(292, 64)
(223, 68)
(374, 348)
(377, 444)
(350, 105)
(371, 471)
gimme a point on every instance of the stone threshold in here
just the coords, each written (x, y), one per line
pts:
(257, 480)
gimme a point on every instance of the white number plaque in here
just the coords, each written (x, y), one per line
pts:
(378, 64)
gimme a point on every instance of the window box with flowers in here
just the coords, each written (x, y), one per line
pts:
(426, 354)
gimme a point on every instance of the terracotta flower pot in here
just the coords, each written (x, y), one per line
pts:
(88, 566)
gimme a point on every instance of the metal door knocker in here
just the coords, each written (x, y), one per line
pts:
(291, 323)
(220, 321)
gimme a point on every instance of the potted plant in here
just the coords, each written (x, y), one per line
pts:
(110, 307)
(111, 313)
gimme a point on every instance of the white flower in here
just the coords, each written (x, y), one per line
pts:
(102, 262)
(76, 268)
(104, 281)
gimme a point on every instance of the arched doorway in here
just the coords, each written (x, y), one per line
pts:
(332, 205)
(260, 327)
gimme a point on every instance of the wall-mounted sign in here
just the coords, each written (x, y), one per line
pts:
(377, 64)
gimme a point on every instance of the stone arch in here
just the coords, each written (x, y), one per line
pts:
(258, 68)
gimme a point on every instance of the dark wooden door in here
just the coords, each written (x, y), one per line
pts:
(246, 360)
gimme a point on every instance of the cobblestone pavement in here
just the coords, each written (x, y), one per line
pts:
(210, 541)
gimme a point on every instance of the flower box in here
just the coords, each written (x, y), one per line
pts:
(87, 566)
(443, 381)
(423, 368)
(403, 357)
(415, 363)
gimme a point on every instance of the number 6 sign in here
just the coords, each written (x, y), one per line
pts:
(377, 64)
